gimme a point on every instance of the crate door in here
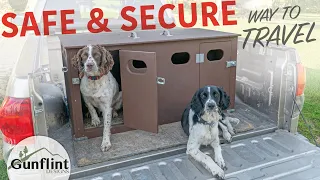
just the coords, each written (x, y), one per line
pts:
(213, 69)
(139, 90)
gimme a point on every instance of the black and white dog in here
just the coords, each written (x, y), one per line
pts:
(201, 121)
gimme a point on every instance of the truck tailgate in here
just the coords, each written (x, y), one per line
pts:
(278, 155)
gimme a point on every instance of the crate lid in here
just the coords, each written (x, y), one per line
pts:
(123, 38)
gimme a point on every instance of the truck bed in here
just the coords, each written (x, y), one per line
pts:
(278, 155)
(128, 144)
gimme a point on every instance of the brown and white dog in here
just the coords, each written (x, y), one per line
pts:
(98, 87)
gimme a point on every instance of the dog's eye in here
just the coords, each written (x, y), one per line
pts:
(215, 94)
(204, 95)
(84, 56)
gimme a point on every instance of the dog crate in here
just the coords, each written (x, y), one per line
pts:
(157, 71)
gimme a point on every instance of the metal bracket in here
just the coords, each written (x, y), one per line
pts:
(134, 35)
(75, 81)
(199, 58)
(166, 32)
(161, 80)
(231, 64)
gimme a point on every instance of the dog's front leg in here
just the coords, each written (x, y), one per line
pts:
(229, 126)
(95, 121)
(117, 104)
(225, 133)
(107, 117)
(217, 153)
(193, 149)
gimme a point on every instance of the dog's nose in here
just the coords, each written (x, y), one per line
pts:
(211, 105)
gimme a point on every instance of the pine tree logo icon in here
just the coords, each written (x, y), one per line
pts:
(24, 157)
(38, 158)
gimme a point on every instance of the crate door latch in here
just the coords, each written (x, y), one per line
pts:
(199, 58)
(231, 64)
(161, 80)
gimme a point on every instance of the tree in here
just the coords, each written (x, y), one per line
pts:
(25, 151)
(20, 154)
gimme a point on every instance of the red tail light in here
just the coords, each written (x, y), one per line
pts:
(301, 81)
(16, 119)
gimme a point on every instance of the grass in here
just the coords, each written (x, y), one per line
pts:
(311, 109)
(3, 171)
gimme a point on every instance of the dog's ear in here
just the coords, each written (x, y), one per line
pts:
(76, 61)
(107, 61)
(196, 104)
(224, 102)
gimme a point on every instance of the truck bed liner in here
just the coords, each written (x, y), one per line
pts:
(278, 155)
(87, 152)
(136, 142)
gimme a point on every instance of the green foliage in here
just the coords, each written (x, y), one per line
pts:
(311, 109)
(20, 154)
(25, 150)
(3, 171)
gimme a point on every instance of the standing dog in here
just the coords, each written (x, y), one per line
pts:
(98, 87)
(200, 121)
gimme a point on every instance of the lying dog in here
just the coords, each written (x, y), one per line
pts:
(98, 87)
(201, 120)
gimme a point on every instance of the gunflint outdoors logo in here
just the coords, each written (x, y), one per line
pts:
(39, 158)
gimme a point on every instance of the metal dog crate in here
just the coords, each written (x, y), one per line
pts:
(160, 71)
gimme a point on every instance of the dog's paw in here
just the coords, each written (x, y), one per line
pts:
(219, 174)
(220, 162)
(234, 121)
(87, 115)
(231, 131)
(227, 136)
(114, 114)
(105, 146)
(95, 122)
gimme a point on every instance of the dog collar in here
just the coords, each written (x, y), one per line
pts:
(81, 74)
(94, 77)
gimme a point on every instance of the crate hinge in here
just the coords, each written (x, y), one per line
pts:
(231, 64)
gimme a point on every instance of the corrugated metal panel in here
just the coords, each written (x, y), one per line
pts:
(278, 155)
